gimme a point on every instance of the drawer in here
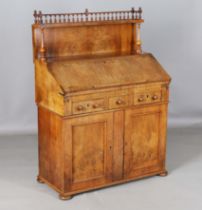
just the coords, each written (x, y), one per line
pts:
(147, 96)
(88, 106)
(118, 101)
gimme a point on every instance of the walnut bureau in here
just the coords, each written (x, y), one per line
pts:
(102, 102)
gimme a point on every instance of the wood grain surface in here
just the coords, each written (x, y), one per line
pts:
(102, 103)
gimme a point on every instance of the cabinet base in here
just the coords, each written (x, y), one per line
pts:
(39, 180)
(65, 197)
(163, 174)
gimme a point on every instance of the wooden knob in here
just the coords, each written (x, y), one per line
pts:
(80, 108)
(154, 97)
(95, 106)
(141, 99)
(119, 102)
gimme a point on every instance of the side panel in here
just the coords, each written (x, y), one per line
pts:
(50, 148)
(47, 90)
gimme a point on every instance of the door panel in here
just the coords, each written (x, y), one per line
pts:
(142, 141)
(88, 151)
(91, 149)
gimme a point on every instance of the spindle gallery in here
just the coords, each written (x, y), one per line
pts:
(87, 16)
(102, 102)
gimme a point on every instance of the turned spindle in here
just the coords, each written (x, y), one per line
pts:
(40, 16)
(35, 16)
(138, 48)
(86, 13)
(140, 13)
(133, 13)
(42, 50)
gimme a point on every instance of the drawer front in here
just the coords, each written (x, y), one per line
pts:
(88, 106)
(118, 101)
(147, 96)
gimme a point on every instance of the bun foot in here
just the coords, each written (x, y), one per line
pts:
(39, 180)
(165, 173)
(65, 197)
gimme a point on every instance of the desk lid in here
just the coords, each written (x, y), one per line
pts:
(96, 73)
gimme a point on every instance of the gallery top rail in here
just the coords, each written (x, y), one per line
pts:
(133, 14)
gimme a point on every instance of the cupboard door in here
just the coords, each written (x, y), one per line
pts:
(144, 139)
(88, 156)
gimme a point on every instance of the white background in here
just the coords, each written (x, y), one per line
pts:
(172, 32)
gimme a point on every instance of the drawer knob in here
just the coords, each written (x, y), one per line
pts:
(120, 102)
(95, 106)
(80, 108)
(141, 99)
(154, 97)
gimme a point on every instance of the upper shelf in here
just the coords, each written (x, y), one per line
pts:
(87, 74)
(88, 33)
